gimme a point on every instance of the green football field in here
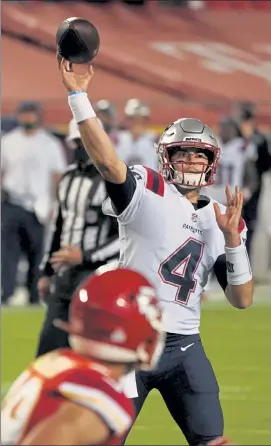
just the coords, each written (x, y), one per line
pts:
(238, 344)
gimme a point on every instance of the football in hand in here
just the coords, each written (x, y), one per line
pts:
(77, 40)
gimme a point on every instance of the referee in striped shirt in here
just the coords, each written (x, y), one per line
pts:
(81, 239)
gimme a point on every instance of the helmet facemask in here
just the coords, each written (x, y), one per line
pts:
(188, 180)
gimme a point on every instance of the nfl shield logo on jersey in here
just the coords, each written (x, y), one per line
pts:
(194, 218)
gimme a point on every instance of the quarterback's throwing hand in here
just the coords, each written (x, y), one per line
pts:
(229, 222)
(74, 81)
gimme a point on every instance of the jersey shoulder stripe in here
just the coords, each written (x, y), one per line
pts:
(116, 417)
(242, 225)
(155, 181)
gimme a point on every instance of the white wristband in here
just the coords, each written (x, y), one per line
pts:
(238, 265)
(80, 106)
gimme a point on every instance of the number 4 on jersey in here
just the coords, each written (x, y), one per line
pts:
(187, 256)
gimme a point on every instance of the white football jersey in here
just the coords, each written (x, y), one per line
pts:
(174, 245)
(140, 151)
(230, 170)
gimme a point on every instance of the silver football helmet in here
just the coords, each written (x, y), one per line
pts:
(185, 134)
(135, 107)
(104, 106)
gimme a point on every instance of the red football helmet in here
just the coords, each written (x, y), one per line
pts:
(115, 316)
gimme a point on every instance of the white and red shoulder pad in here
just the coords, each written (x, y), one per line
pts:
(96, 393)
(154, 181)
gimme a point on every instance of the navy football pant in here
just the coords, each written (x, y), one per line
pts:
(186, 381)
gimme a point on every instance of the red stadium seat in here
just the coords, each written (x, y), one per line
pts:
(217, 4)
(238, 4)
(262, 4)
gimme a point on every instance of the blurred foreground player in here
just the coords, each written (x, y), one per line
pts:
(73, 396)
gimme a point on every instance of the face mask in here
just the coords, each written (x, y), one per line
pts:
(29, 125)
(80, 154)
(108, 128)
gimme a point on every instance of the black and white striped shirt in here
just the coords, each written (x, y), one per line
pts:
(78, 219)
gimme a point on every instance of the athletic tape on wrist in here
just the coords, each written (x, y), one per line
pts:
(238, 265)
(80, 106)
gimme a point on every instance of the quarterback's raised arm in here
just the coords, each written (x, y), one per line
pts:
(100, 149)
(95, 139)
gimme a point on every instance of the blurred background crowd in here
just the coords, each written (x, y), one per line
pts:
(179, 58)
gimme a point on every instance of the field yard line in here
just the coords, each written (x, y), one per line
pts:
(251, 431)
(235, 389)
(176, 428)
(23, 309)
(245, 369)
(232, 395)
(236, 397)
(236, 327)
(226, 389)
(219, 304)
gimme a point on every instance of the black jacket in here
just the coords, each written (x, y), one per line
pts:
(263, 161)
(78, 219)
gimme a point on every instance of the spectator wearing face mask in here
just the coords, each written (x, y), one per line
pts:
(105, 111)
(32, 161)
